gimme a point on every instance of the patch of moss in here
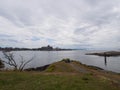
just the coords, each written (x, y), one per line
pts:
(104, 79)
(51, 68)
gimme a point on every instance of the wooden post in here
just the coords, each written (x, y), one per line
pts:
(105, 59)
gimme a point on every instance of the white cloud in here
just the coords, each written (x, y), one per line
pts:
(63, 23)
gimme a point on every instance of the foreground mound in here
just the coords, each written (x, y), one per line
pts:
(66, 65)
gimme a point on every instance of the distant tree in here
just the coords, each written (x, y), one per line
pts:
(12, 62)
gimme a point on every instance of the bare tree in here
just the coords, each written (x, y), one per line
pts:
(12, 62)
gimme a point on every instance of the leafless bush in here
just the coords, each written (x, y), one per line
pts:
(10, 60)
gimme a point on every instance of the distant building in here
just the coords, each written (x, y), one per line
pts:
(47, 48)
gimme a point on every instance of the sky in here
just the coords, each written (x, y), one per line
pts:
(60, 23)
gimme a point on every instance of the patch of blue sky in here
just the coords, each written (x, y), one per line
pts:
(36, 38)
(50, 41)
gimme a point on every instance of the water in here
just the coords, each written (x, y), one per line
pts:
(46, 57)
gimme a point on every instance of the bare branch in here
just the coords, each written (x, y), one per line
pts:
(9, 57)
(12, 59)
(23, 64)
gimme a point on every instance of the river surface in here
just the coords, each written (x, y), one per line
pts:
(41, 58)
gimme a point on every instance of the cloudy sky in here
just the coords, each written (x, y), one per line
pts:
(63, 23)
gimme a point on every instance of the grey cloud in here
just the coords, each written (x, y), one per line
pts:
(4, 35)
(66, 23)
(9, 40)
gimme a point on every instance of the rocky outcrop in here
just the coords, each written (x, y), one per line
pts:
(42, 68)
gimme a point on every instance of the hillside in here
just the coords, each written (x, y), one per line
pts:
(67, 66)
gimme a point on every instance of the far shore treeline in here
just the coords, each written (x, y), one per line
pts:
(44, 48)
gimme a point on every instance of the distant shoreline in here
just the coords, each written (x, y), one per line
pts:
(39, 50)
(107, 54)
(44, 48)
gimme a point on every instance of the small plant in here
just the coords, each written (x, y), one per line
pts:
(1, 64)
(85, 78)
(66, 60)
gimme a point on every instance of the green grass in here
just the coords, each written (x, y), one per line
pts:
(62, 75)
(52, 81)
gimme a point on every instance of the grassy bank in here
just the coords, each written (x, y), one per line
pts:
(53, 81)
(62, 75)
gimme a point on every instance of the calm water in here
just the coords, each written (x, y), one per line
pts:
(46, 57)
